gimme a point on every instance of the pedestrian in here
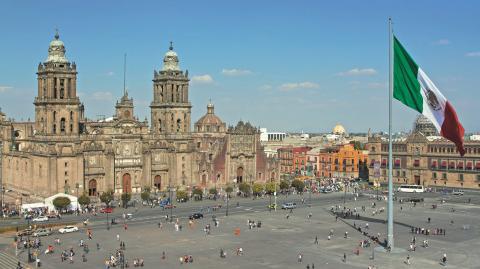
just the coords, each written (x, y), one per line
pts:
(344, 257)
(444, 259)
(408, 260)
(308, 266)
(300, 256)
(313, 266)
(118, 237)
(316, 240)
(428, 220)
(163, 255)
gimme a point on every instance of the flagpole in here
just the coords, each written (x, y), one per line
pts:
(390, 163)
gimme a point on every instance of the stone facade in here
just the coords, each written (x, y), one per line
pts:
(62, 151)
(426, 160)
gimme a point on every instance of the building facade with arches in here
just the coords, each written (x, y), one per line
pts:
(63, 151)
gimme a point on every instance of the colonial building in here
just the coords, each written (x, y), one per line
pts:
(62, 151)
(342, 161)
(423, 158)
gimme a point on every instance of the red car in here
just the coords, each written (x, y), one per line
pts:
(169, 206)
(106, 210)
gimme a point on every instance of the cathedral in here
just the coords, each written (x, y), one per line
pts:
(63, 151)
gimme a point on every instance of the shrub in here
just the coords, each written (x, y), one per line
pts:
(257, 189)
(84, 200)
(298, 185)
(61, 202)
(107, 197)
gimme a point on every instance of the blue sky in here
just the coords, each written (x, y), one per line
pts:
(284, 65)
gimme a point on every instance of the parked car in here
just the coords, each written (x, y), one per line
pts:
(106, 210)
(25, 232)
(40, 219)
(68, 229)
(457, 192)
(42, 232)
(289, 205)
(196, 216)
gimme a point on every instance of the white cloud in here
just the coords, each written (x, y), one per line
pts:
(110, 73)
(206, 79)
(442, 42)
(5, 88)
(359, 72)
(473, 54)
(377, 85)
(102, 96)
(298, 85)
(236, 72)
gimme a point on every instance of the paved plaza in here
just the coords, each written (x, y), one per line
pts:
(279, 240)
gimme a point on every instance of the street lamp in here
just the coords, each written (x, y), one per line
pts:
(28, 242)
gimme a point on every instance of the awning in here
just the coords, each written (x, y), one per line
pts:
(452, 165)
(397, 162)
(477, 166)
(444, 164)
(434, 164)
(469, 165)
(416, 163)
(460, 165)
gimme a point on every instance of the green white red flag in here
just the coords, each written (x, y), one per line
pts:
(414, 88)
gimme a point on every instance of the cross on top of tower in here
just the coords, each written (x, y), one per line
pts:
(171, 45)
(57, 36)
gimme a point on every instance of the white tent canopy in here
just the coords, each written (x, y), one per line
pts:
(73, 205)
(33, 207)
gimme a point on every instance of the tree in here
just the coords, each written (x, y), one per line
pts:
(198, 194)
(257, 189)
(213, 191)
(84, 200)
(244, 188)
(298, 185)
(61, 202)
(229, 189)
(270, 187)
(145, 195)
(284, 185)
(126, 197)
(182, 195)
(107, 197)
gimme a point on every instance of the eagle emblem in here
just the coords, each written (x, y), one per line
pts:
(432, 100)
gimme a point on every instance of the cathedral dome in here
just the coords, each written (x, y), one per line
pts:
(425, 126)
(338, 130)
(56, 51)
(210, 122)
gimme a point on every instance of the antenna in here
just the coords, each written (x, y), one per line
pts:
(124, 73)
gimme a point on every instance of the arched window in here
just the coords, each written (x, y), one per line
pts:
(62, 93)
(92, 187)
(157, 182)
(62, 125)
(179, 125)
(159, 125)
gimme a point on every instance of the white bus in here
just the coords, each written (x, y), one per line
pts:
(411, 188)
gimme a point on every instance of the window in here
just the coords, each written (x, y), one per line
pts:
(199, 144)
(434, 175)
(478, 177)
(66, 164)
(179, 124)
(444, 176)
(54, 130)
(404, 174)
(71, 128)
(159, 125)
(460, 177)
(62, 125)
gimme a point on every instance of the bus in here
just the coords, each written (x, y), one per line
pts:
(411, 188)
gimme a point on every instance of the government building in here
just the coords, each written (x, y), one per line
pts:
(63, 151)
(425, 158)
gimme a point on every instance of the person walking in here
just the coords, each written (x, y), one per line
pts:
(344, 257)
(408, 260)
(118, 237)
(444, 259)
(300, 257)
(316, 240)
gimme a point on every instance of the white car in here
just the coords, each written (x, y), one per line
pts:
(68, 229)
(40, 219)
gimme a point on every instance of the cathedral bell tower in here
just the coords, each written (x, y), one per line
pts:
(170, 109)
(57, 108)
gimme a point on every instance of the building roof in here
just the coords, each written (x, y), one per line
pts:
(210, 118)
(339, 129)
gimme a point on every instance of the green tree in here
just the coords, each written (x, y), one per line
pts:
(284, 185)
(257, 189)
(197, 193)
(145, 195)
(61, 202)
(126, 197)
(213, 191)
(298, 185)
(270, 187)
(84, 200)
(229, 189)
(244, 188)
(182, 195)
(107, 197)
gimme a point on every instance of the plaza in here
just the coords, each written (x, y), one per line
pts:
(280, 239)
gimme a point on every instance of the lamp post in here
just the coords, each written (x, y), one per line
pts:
(108, 224)
(345, 191)
(228, 198)
(28, 243)
(171, 203)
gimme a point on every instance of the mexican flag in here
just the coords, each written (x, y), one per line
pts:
(415, 89)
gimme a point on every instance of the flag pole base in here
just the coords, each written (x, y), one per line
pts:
(397, 250)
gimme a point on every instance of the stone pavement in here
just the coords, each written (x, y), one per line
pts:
(278, 242)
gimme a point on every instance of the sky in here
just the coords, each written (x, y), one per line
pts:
(284, 65)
